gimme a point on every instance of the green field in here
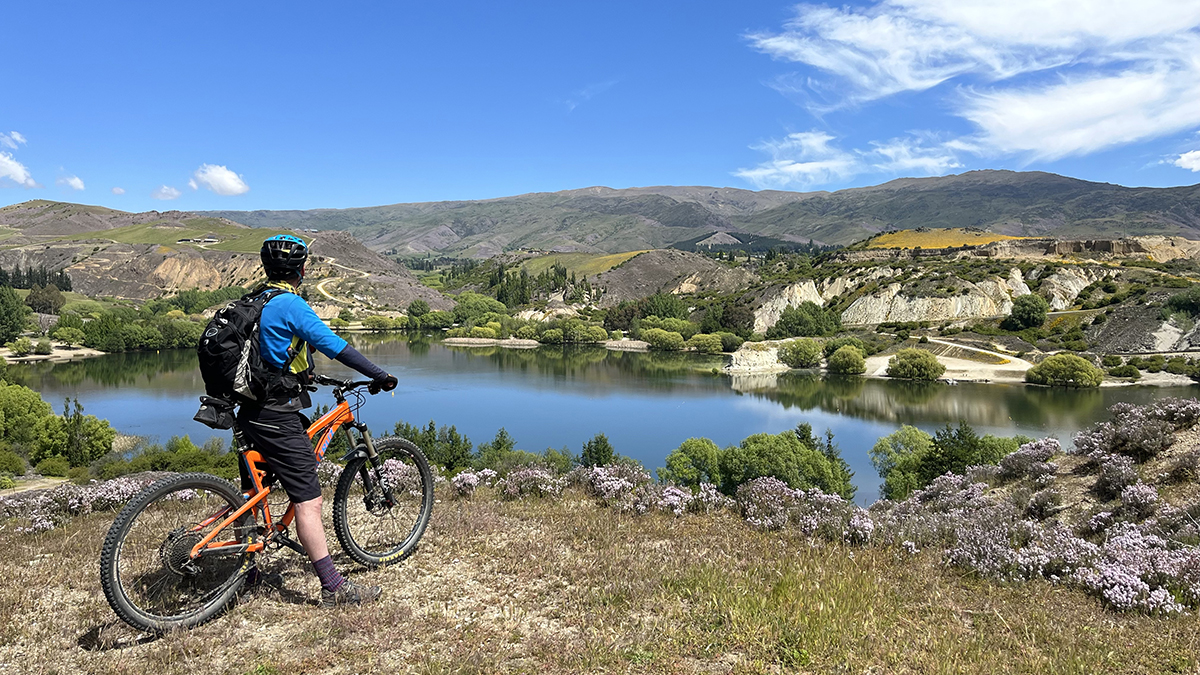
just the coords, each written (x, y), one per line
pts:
(582, 264)
(237, 239)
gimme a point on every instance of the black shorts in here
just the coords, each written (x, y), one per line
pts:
(282, 439)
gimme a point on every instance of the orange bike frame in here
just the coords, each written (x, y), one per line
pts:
(327, 426)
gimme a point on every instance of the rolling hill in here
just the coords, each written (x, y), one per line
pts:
(604, 220)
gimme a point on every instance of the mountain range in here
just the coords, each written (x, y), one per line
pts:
(600, 219)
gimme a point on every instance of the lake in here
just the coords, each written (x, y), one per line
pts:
(646, 404)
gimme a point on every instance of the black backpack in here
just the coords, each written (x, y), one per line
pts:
(230, 363)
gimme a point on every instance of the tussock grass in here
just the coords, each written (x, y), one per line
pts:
(582, 264)
(565, 586)
(936, 238)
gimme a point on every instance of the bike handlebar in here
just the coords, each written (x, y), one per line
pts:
(343, 385)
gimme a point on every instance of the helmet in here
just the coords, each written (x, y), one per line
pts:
(283, 256)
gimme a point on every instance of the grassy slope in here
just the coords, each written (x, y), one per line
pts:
(237, 239)
(940, 238)
(567, 587)
(582, 264)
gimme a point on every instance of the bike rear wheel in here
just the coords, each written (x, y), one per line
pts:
(146, 570)
(380, 514)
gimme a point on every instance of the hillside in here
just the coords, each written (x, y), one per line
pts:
(610, 220)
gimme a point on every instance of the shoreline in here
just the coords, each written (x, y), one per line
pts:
(517, 343)
(56, 355)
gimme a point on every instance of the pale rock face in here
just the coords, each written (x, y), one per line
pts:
(1062, 287)
(767, 315)
(547, 314)
(751, 360)
(990, 297)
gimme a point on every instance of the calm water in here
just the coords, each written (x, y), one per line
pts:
(554, 397)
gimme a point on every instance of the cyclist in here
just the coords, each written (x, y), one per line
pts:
(288, 330)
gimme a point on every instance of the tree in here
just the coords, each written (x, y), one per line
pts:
(1029, 311)
(597, 452)
(661, 339)
(915, 364)
(470, 305)
(418, 308)
(847, 360)
(803, 353)
(346, 315)
(695, 461)
(786, 457)
(45, 299)
(664, 305)
(12, 314)
(1065, 370)
(705, 343)
(807, 319)
(897, 458)
(376, 323)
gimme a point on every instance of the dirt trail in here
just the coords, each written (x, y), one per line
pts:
(321, 285)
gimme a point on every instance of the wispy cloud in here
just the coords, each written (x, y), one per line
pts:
(73, 182)
(165, 192)
(1189, 161)
(12, 139)
(587, 93)
(11, 169)
(118, 191)
(806, 159)
(1038, 80)
(219, 179)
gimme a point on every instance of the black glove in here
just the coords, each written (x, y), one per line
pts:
(385, 383)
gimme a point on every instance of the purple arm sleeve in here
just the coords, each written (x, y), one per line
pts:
(353, 358)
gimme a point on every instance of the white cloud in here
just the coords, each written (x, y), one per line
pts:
(73, 182)
(800, 160)
(806, 159)
(1189, 161)
(587, 93)
(118, 191)
(218, 179)
(165, 192)
(1044, 79)
(192, 184)
(15, 171)
(12, 139)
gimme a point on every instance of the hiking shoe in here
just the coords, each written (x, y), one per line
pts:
(349, 593)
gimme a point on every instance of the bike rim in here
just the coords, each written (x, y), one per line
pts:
(155, 572)
(379, 528)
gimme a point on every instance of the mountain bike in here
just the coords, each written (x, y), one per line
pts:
(178, 554)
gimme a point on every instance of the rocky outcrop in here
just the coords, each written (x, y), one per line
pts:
(1061, 288)
(755, 357)
(790, 296)
(990, 297)
(669, 271)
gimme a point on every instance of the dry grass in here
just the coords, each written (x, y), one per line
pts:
(582, 264)
(567, 587)
(939, 238)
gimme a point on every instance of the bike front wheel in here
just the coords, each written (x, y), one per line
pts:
(380, 512)
(146, 569)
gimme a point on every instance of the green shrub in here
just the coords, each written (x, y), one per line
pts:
(551, 336)
(338, 323)
(22, 346)
(597, 452)
(418, 308)
(685, 328)
(695, 461)
(847, 360)
(68, 336)
(615, 335)
(596, 334)
(54, 466)
(915, 364)
(527, 332)
(482, 332)
(1065, 370)
(11, 462)
(376, 322)
(793, 457)
(7, 483)
(808, 319)
(1111, 361)
(831, 346)
(43, 347)
(1029, 311)
(705, 343)
(663, 340)
(1125, 371)
(802, 353)
(730, 342)
(79, 475)
(346, 315)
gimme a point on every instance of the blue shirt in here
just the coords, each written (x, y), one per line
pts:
(288, 316)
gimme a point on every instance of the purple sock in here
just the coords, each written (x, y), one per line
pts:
(328, 574)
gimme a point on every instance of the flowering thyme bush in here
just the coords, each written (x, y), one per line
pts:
(44, 510)
(401, 476)
(530, 481)
(1116, 473)
(1022, 463)
(465, 483)
(328, 473)
(1139, 500)
(619, 486)
(1138, 431)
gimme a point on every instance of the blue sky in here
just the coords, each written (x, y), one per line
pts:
(305, 105)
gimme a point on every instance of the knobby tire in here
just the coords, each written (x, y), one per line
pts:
(370, 531)
(216, 579)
